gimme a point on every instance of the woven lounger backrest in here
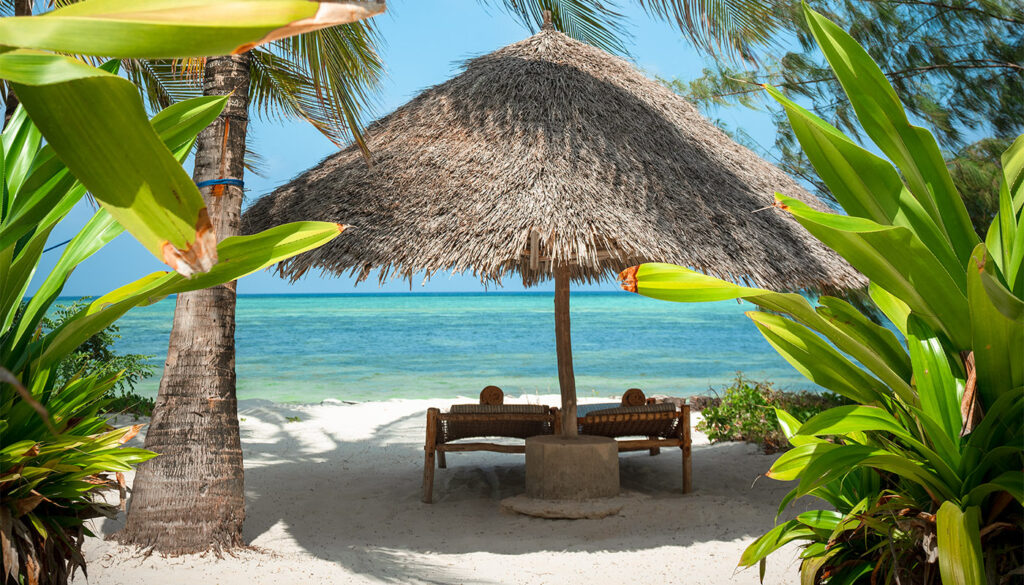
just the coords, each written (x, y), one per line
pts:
(651, 420)
(504, 423)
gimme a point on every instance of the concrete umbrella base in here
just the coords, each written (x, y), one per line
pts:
(569, 477)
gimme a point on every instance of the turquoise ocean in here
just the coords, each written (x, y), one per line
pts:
(359, 347)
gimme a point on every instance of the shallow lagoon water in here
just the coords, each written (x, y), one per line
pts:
(305, 348)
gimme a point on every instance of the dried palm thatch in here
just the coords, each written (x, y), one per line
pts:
(548, 154)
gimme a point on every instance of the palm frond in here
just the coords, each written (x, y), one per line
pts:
(590, 21)
(721, 27)
(163, 82)
(329, 77)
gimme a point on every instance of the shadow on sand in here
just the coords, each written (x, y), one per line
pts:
(358, 504)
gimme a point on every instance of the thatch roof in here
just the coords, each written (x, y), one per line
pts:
(552, 136)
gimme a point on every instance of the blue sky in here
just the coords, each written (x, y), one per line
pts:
(425, 43)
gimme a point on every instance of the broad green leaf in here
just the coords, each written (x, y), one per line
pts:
(1005, 239)
(897, 260)
(911, 148)
(817, 360)
(240, 255)
(789, 425)
(836, 463)
(20, 141)
(1011, 482)
(997, 327)
(841, 420)
(93, 119)
(937, 389)
(98, 231)
(16, 270)
(959, 542)
(51, 190)
(844, 316)
(675, 283)
(821, 519)
(792, 463)
(773, 540)
(894, 309)
(865, 185)
(153, 29)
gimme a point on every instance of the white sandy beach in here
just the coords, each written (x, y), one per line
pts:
(335, 498)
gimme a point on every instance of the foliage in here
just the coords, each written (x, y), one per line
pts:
(976, 170)
(58, 453)
(923, 469)
(954, 64)
(746, 412)
(96, 357)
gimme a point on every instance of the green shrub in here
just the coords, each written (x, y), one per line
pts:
(746, 412)
(96, 357)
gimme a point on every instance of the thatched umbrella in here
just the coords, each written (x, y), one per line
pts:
(553, 159)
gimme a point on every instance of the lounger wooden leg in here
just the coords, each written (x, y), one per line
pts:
(429, 449)
(654, 450)
(441, 460)
(685, 447)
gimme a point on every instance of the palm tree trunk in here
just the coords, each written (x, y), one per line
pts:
(191, 498)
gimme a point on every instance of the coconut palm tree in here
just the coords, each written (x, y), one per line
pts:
(191, 498)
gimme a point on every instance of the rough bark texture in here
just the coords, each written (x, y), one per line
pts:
(563, 346)
(191, 498)
(21, 8)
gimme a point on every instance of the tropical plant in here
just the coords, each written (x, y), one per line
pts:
(924, 470)
(57, 452)
(746, 412)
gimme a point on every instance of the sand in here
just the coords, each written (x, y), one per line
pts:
(335, 498)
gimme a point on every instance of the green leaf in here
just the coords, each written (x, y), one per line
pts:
(675, 283)
(937, 389)
(845, 317)
(792, 463)
(1011, 482)
(959, 543)
(91, 118)
(773, 540)
(842, 420)
(20, 141)
(154, 29)
(898, 261)
(865, 185)
(820, 519)
(997, 328)
(240, 255)
(789, 425)
(817, 360)
(98, 231)
(894, 309)
(911, 148)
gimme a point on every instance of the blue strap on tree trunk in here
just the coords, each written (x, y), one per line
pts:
(212, 182)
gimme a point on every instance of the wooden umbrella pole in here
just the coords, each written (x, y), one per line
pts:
(563, 343)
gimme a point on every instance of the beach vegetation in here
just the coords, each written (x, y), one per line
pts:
(745, 411)
(58, 452)
(97, 357)
(923, 469)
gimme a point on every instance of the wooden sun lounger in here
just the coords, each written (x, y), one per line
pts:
(470, 421)
(663, 424)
